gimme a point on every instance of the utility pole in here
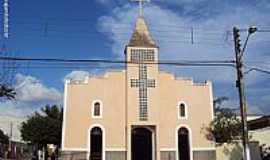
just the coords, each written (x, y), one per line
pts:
(11, 130)
(10, 137)
(241, 87)
(241, 90)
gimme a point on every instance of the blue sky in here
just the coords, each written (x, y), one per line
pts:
(101, 28)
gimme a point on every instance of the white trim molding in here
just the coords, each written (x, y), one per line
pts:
(75, 149)
(64, 116)
(179, 110)
(211, 99)
(167, 149)
(190, 140)
(115, 149)
(103, 140)
(204, 149)
(93, 109)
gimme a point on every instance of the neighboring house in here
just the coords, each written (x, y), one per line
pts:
(138, 113)
(259, 129)
(15, 150)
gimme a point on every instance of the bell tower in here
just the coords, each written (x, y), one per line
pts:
(142, 70)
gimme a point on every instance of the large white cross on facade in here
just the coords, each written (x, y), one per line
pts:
(143, 83)
(141, 5)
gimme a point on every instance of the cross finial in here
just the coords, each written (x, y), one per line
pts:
(140, 5)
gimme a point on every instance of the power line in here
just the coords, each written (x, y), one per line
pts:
(258, 70)
(106, 61)
(118, 30)
(185, 33)
(56, 20)
(258, 62)
(264, 30)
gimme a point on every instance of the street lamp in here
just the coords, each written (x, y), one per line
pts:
(251, 30)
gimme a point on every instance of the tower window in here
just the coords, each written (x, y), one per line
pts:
(142, 55)
(97, 109)
(182, 110)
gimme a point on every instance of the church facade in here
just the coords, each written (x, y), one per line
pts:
(138, 113)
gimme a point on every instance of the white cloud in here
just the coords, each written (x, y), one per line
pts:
(167, 34)
(5, 125)
(234, 104)
(11, 114)
(77, 75)
(31, 95)
(29, 89)
(172, 31)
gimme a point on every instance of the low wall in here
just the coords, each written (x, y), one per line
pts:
(222, 152)
(234, 151)
(76, 155)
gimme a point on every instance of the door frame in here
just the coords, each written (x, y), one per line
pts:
(103, 140)
(189, 139)
(152, 129)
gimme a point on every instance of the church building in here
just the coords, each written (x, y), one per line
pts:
(138, 113)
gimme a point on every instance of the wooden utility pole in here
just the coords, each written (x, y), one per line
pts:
(240, 85)
(10, 141)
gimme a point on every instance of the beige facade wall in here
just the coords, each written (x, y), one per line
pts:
(197, 98)
(121, 110)
(78, 117)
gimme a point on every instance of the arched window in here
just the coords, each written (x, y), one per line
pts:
(97, 109)
(182, 110)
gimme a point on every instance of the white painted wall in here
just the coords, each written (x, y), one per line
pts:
(261, 135)
(234, 151)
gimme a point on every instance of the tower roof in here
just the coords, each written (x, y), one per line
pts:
(141, 36)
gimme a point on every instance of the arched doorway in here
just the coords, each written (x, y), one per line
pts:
(96, 144)
(141, 144)
(183, 144)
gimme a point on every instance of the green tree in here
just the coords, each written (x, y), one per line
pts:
(43, 127)
(3, 138)
(7, 92)
(7, 72)
(226, 126)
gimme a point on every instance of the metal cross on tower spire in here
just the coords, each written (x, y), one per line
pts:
(140, 5)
